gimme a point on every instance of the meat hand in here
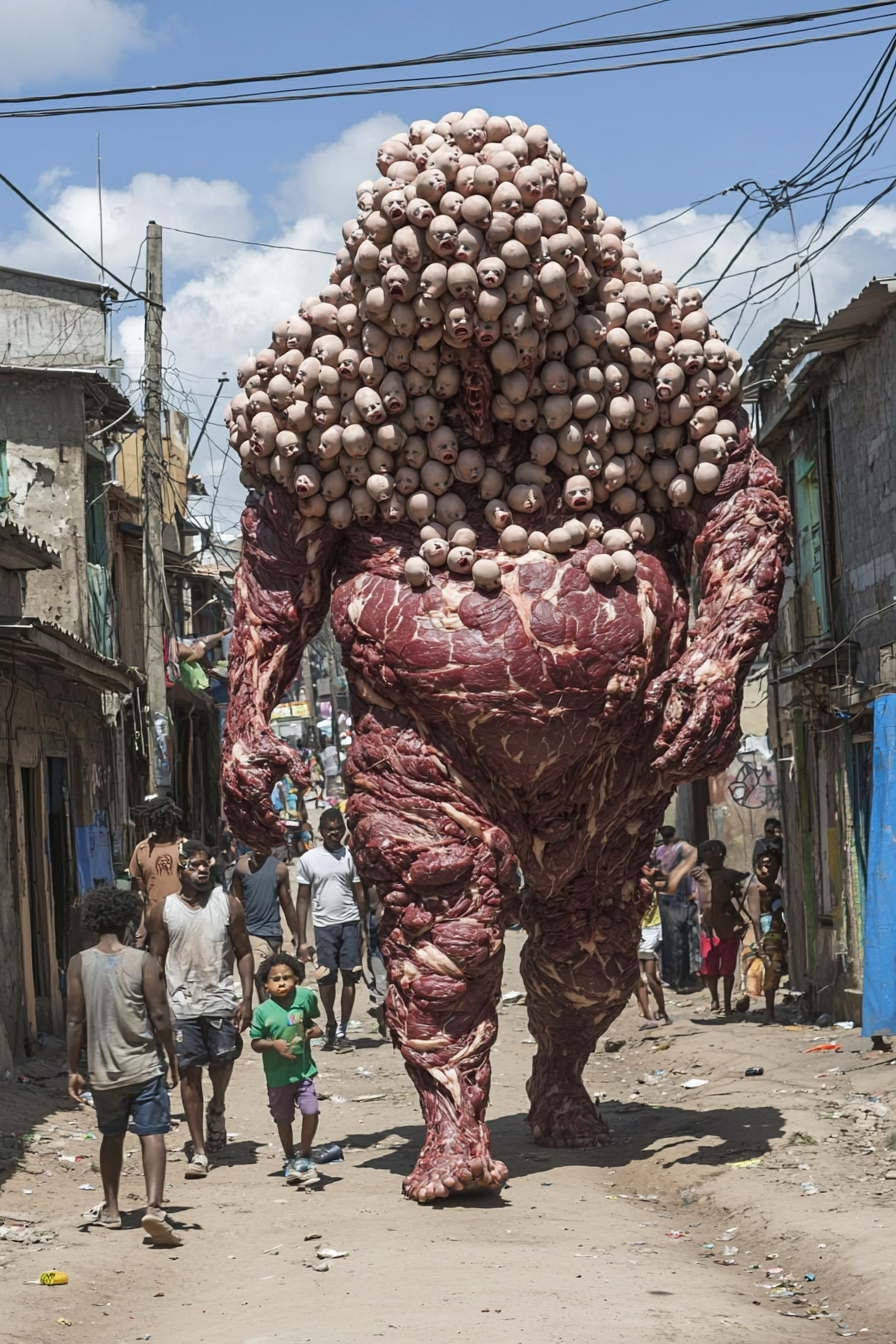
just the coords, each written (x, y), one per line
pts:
(699, 698)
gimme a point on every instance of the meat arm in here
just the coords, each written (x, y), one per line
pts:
(740, 548)
(281, 596)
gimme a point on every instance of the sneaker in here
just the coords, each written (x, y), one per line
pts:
(342, 1044)
(305, 1171)
(291, 1171)
(329, 1036)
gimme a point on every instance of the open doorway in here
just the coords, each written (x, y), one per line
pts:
(43, 967)
(61, 853)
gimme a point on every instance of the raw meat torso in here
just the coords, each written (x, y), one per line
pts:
(529, 691)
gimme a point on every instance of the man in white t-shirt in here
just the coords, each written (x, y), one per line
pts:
(329, 761)
(329, 885)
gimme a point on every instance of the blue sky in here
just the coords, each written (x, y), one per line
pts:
(650, 141)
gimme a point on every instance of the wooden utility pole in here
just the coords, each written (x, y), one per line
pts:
(334, 708)
(154, 652)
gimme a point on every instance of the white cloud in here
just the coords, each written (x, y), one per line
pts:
(866, 249)
(219, 206)
(324, 181)
(47, 181)
(231, 304)
(44, 40)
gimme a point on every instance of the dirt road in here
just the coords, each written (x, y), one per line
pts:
(606, 1244)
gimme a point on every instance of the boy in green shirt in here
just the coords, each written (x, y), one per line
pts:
(281, 1032)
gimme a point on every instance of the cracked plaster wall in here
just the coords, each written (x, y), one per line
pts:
(42, 421)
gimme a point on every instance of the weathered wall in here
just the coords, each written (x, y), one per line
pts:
(42, 421)
(49, 321)
(43, 714)
(740, 823)
(862, 402)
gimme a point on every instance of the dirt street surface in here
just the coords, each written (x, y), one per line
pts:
(706, 1216)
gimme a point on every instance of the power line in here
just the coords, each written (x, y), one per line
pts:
(540, 68)
(246, 242)
(573, 23)
(827, 173)
(499, 76)
(69, 239)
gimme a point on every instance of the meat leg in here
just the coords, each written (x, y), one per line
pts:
(443, 872)
(579, 967)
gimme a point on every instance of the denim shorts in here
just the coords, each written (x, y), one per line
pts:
(145, 1104)
(338, 949)
(206, 1040)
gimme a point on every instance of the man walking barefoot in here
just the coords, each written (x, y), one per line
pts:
(196, 935)
(329, 884)
(118, 994)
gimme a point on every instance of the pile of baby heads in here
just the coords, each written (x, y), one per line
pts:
(479, 242)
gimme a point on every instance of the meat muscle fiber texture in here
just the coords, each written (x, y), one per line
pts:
(515, 746)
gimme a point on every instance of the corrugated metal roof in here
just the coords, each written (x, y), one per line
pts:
(25, 549)
(47, 642)
(856, 321)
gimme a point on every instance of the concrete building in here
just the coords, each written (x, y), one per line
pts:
(826, 415)
(73, 732)
(61, 683)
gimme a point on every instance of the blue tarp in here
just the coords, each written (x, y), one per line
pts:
(879, 986)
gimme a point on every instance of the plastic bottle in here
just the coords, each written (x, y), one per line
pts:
(327, 1152)
(53, 1279)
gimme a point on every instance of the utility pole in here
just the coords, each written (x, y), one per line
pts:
(154, 652)
(334, 709)
(308, 690)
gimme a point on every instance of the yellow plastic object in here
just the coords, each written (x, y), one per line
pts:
(53, 1279)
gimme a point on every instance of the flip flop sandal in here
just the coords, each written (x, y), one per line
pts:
(157, 1226)
(215, 1130)
(95, 1217)
(196, 1168)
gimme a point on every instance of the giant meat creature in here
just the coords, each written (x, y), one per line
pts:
(496, 447)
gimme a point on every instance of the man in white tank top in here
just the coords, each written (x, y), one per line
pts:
(196, 935)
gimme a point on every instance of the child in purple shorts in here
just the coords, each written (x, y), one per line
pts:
(281, 1032)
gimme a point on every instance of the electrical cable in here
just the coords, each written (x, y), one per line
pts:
(572, 23)
(388, 85)
(246, 242)
(839, 163)
(477, 53)
(69, 239)
(492, 77)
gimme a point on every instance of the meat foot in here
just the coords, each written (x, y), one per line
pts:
(564, 1116)
(438, 1175)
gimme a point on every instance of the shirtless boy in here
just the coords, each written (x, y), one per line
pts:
(722, 921)
(766, 961)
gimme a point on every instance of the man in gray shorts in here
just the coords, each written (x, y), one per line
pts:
(117, 994)
(196, 936)
(330, 887)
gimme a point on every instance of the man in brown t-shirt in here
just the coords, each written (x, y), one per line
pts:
(153, 865)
